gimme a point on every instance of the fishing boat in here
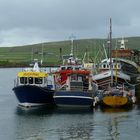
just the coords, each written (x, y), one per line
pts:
(33, 88)
(118, 97)
(77, 91)
(129, 60)
(73, 83)
(105, 73)
(116, 94)
(122, 69)
(70, 63)
(121, 66)
(110, 67)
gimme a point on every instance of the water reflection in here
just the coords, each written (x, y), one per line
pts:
(45, 110)
(73, 124)
(34, 111)
(113, 128)
(53, 123)
(73, 111)
(30, 122)
(112, 121)
(116, 110)
(76, 130)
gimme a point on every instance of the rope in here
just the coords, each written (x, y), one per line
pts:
(131, 84)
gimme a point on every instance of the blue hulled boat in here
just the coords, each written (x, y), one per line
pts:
(73, 99)
(32, 87)
(73, 83)
(77, 91)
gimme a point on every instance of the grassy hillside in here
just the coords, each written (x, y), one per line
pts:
(23, 55)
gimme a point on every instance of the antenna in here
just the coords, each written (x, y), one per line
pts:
(60, 51)
(105, 51)
(32, 54)
(110, 39)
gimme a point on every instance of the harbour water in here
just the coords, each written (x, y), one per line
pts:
(47, 123)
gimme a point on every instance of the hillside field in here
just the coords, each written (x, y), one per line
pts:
(24, 55)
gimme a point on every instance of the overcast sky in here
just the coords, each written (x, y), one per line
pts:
(33, 21)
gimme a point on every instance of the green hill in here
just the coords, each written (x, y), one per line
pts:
(23, 55)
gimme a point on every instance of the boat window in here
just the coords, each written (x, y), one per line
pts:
(104, 66)
(63, 68)
(76, 68)
(23, 80)
(38, 80)
(69, 68)
(107, 66)
(74, 78)
(30, 80)
(76, 86)
(79, 78)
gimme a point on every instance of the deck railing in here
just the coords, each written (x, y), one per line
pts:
(72, 88)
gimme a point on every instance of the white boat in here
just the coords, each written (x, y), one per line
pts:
(122, 69)
(103, 79)
(32, 87)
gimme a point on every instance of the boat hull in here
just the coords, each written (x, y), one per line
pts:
(73, 99)
(103, 79)
(31, 95)
(116, 101)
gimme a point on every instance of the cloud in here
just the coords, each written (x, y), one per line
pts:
(51, 20)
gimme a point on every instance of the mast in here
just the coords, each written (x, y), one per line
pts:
(110, 45)
(71, 47)
(116, 68)
(105, 51)
(60, 53)
(41, 61)
(72, 37)
(32, 55)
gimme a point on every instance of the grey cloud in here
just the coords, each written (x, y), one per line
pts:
(52, 20)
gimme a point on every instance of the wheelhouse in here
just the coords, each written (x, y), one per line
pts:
(32, 78)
